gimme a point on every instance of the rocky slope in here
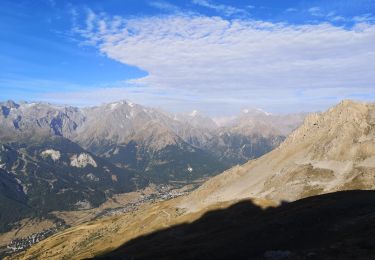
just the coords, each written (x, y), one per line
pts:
(331, 151)
(37, 120)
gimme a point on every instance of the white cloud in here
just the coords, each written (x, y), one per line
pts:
(366, 18)
(315, 11)
(338, 18)
(330, 16)
(162, 5)
(221, 8)
(216, 60)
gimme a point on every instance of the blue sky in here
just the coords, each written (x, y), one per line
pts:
(215, 56)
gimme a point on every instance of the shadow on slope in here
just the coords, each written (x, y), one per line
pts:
(332, 226)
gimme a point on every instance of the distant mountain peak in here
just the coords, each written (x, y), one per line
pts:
(11, 104)
(194, 113)
(116, 104)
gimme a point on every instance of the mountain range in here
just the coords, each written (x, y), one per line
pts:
(131, 135)
(67, 158)
(330, 152)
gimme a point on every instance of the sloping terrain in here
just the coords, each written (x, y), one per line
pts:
(331, 226)
(338, 225)
(331, 151)
(233, 147)
(12, 200)
(104, 235)
(56, 174)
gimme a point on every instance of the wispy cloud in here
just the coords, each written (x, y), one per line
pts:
(221, 8)
(165, 6)
(332, 16)
(315, 11)
(365, 18)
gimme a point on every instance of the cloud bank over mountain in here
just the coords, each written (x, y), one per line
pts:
(215, 60)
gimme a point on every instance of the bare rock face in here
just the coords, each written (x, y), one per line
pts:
(339, 134)
(37, 120)
(53, 154)
(331, 151)
(82, 160)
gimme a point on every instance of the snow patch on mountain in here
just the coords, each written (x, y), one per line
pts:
(255, 111)
(113, 106)
(265, 112)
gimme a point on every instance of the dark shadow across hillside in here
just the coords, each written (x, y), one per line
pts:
(339, 225)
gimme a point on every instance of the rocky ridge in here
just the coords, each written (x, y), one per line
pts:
(331, 151)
